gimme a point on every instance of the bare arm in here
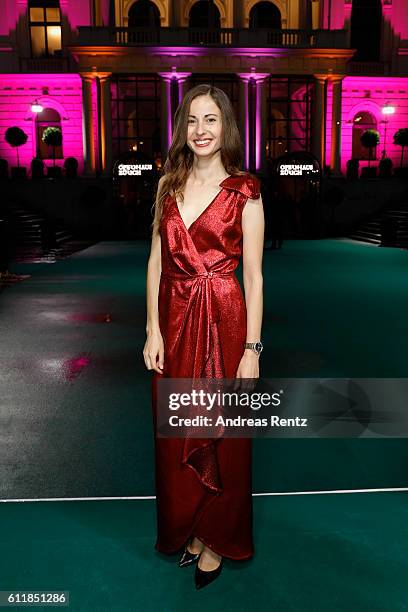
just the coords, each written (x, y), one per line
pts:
(153, 351)
(253, 226)
(152, 285)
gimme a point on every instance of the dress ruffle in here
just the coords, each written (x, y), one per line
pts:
(247, 184)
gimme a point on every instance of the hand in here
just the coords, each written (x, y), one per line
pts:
(153, 352)
(248, 369)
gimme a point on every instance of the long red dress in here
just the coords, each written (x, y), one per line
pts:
(203, 486)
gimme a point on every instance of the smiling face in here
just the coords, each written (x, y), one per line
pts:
(204, 126)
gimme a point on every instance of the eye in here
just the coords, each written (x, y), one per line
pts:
(211, 119)
(189, 121)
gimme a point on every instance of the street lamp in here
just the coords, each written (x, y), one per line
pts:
(36, 107)
(387, 109)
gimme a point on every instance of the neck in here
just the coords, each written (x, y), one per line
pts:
(206, 170)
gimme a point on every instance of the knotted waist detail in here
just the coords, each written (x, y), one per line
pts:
(186, 277)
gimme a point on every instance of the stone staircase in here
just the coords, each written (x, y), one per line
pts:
(34, 238)
(395, 217)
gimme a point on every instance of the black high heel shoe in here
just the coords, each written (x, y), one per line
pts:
(188, 558)
(203, 578)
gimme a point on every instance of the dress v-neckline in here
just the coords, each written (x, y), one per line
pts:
(203, 211)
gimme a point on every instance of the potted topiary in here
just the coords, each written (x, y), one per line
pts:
(37, 168)
(52, 136)
(3, 169)
(16, 137)
(369, 140)
(71, 167)
(401, 139)
(385, 167)
(352, 169)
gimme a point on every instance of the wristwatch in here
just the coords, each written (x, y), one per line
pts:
(257, 347)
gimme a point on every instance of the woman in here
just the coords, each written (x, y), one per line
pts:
(207, 213)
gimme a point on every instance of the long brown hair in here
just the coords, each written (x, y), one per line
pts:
(180, 158)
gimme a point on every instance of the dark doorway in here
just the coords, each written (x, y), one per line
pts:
(296, 201)
(204, 14)
(265, 15)
(362, 121)
(135, 180)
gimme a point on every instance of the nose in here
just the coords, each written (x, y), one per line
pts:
(200, 129)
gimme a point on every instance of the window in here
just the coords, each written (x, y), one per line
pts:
(47, 118)
(136, 114)
(288, 106)
(45, 27)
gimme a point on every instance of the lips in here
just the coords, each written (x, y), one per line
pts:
(203, 143)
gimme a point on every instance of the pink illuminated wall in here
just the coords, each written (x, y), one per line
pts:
(399, 18)
(332, 14)
(11, 12)
(370, 94)
(64, 94)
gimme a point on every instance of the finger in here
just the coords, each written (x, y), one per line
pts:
(147, 362)
(161, 358)
(153, 362)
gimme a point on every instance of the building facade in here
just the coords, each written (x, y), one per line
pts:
(303, 75)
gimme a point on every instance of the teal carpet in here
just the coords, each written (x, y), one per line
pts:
(76, 422)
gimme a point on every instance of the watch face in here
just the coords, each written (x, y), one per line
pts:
(258, 347)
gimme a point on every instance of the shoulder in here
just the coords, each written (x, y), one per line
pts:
(247, 184)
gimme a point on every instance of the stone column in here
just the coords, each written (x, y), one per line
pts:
(88, 127)
(238, 14)
(105, 109)
(183, 84)
(318, 139)
(335, 153)
(173, 89)
(97, 17)
(243, 118)
(166, 116)
(260, 124)
(315, 14)
(252, 119)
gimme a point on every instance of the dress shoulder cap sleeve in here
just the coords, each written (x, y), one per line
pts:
(247, 184)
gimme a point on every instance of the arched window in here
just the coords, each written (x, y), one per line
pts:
(45, 27)
(144, 14)
(204, 14)
(265, 15)
(47, 118)
(366, 20)
(362, 121)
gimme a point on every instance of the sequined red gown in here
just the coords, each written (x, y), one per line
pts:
(203, 487)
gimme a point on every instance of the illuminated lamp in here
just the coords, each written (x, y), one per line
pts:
(388, 109)
(36, 107)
